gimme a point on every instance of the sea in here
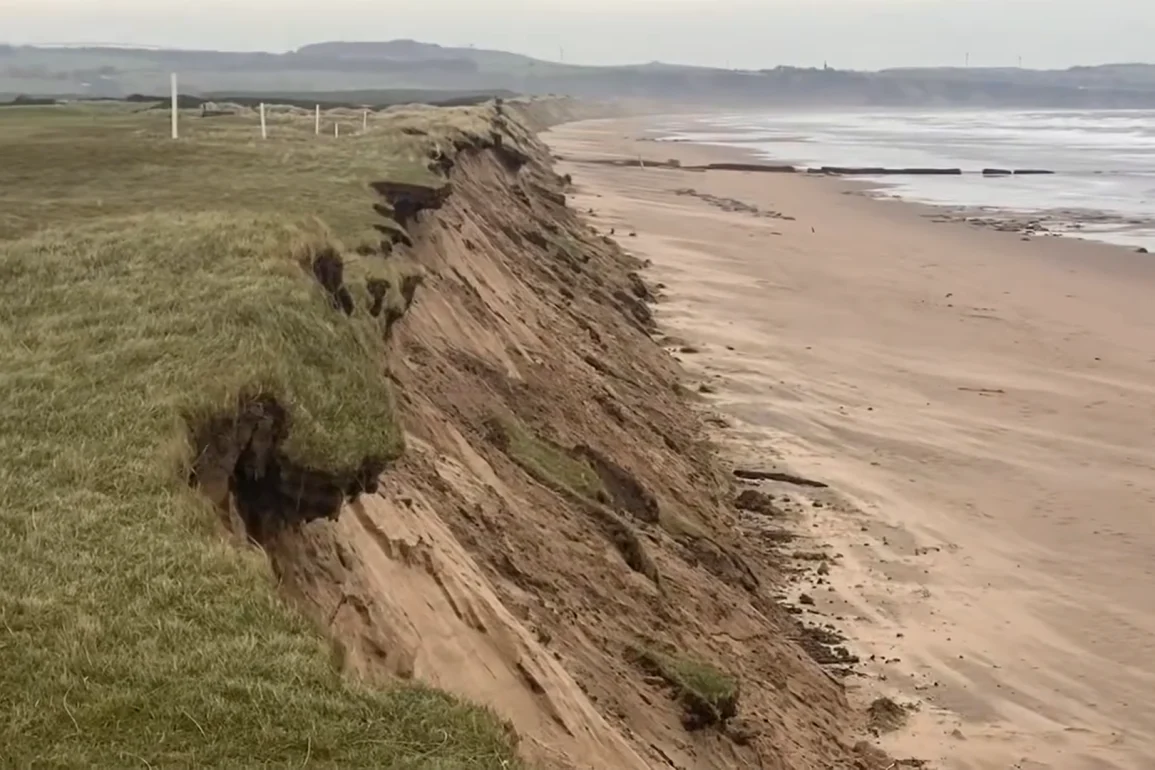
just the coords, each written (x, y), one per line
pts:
(1103, 187)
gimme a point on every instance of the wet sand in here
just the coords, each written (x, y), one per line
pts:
(984, 407)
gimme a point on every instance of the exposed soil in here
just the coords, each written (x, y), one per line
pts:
(408, 200)
(519, 580)
(241, 468)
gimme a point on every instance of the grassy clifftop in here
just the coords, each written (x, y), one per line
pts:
(147, 289)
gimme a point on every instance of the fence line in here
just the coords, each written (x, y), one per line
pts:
(175, 112)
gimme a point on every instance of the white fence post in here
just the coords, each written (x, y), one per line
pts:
(264, 126)
(336, 129)
(365, 121)
(175, 129)
(317, 124)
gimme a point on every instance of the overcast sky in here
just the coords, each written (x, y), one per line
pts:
(863, 34)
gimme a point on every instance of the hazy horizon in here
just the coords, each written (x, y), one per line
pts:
(848, 34)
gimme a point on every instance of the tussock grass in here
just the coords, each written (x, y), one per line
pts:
(709, 694)
(146, 285)
(571, 476)
(548, 462)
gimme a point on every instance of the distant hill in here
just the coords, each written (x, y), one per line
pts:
(108, 71)
(412, 51)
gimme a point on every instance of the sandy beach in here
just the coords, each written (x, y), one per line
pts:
(980, 404)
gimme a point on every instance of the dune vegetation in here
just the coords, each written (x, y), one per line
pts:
(147, 287)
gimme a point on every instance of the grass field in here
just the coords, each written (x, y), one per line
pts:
(146, 285)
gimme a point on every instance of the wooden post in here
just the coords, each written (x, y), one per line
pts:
(336, 129)
(175, 107)
(264, 126)
(317, 126)
(365, 121)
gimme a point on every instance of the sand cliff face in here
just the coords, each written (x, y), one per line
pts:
(558, 511)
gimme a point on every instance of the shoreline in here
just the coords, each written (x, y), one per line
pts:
(1125, 230)
(938, 376)
(1114, 257)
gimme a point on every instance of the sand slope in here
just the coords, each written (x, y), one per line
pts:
(981, 405)
(477, 568)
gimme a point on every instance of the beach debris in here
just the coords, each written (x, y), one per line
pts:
(824, 645)
(817, 556)
(731, 204)
(886, 716)
(757, 502)
(983, 391)
(775, 169)
(674, 163)
(882, 171)
(787, 478)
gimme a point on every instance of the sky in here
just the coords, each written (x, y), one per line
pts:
(857, 34)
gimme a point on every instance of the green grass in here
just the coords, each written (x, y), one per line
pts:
(548, 462)
(64, 165)
(146, 285)
(574, 479)
(709, 694)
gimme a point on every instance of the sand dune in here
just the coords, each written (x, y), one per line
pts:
(982, 407)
